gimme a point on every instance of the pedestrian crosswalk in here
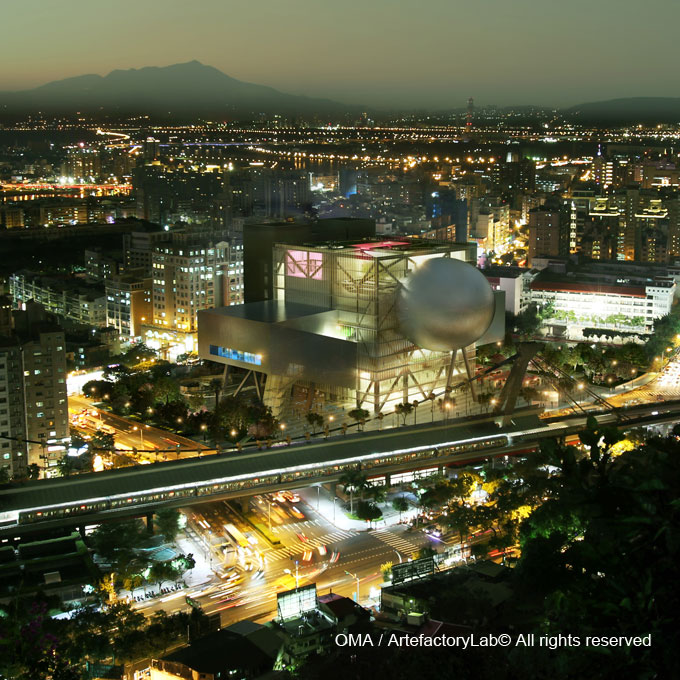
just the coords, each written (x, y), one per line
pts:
(394, 541)
(294, 527)
(301, 546)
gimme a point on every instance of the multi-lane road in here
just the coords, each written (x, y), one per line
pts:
(312, 550)
(130, 434)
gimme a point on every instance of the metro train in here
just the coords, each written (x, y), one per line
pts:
(289, 477)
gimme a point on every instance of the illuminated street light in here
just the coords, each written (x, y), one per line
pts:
(354, 576)
(288, 571)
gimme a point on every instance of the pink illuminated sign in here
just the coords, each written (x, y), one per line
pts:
(304, 264)
(380, 244)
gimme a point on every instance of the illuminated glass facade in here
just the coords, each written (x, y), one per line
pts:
(237, 355)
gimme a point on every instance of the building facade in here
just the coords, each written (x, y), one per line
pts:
(13, 452)
(186, 278)
(128, 305)
(65, 297)
(631, 307)
(33, 402)
(332, 328)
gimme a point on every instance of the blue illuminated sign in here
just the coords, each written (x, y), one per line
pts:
(236, 355)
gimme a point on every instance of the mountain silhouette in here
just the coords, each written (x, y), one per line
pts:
(628, 110)
(189, 88)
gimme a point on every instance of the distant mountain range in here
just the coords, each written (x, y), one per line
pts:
(628, 110)
(180, 89)
(194, 90)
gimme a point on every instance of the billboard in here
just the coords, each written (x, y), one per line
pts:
(293, 603)
(407, 571)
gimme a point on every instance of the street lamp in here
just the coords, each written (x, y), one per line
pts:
(354, 576)
(141, 435)
(269, 512)
(447, 407)
(288, 571)
(204, 427)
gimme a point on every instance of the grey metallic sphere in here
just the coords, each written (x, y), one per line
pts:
(444, 305)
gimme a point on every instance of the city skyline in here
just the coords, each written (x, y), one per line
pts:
(323, 324)
(429, 58)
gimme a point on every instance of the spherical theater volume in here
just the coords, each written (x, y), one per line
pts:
(444, 305)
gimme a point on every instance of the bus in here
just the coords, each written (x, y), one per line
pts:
(237, 537)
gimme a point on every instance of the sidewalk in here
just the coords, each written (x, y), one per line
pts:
(201, 574)
(321, 500)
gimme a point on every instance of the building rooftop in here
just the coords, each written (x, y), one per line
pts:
(384, 246)
(218, 651)
(309, 623)
(269, 311)
(69, 284)
(502, 272)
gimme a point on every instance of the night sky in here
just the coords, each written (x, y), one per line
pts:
(546, 52)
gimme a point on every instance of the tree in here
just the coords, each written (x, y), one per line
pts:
(188, 561)
(369, 512)
(161, 572)
(67, 465)
(425, 551)
(437, 495)
(102, 442)
(217, 385)
(166, 389)
(400, 504)
(529, 321)
(117, 542)
(136, 355)
(461, 518)
(315, 420)
(359, 415)
(404, 410)
(353, 480)
(377, 493)
(167, 522)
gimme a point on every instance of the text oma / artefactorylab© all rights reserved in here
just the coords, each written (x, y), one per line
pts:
(503, 640)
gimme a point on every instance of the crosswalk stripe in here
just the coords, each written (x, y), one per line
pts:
(393, 541)
(301, 547)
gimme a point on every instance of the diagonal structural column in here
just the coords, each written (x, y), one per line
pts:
(508, 396)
